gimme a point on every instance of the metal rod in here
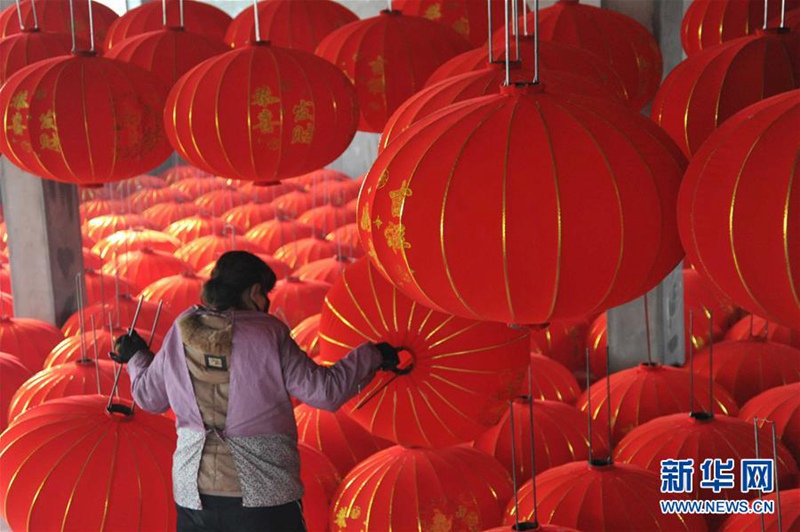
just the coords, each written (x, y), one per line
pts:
(608, 402)
(525, 17)
(257, 27)
(155, 323)
(766, 10)
(760, 492)
(91, 28)
(515, 16)
(783, 25)
(164, 13)
(508, 46)
(691, 361)
(711, 362)
(491, 45)
(180, 12)
(96, 360)
(775, 476)
(136, 315)
(533, 444)
(589, 400)
(514, 462)
(647, 330)
(81, 322)
(19, 16)
(72, 24)
(536, 41)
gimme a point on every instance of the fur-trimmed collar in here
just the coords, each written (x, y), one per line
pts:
(208, 333)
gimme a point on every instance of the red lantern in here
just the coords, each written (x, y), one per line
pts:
(293, 300)
(298, 24)
(375, 52)
(197, 186)
(320, 480)
(293, 204)
(468, 18)
(780, 405)
(178, 292)
(337, 436)
(601, 496)
(168, 53)
(648, 391)
(221, 199)
(261, 113)
(336, 193)
(755, 327)
(29, 340)
(328, 270)
(619, 40)
(129, 240)
(145, 266)
(126, 187)
(209, 248)
(560, 436)
(711, 86)
(58, 455)
(280, 268)
(306, 334)
(709, 22)
(552, 381)
(347, 235)
(245, 217)
(85, 345)
(789, 514)
(102, 287)
(23, 49)
(564, 342)
(102, 226)
(99, 207)
(327, 218)
(50, 133)
(147, 197)
(120, 311)
(162, 215)
(198, 17)
(267, 192)
(711, 311)
(458, 488)
(748, 368)
(275, 233)
(79, 377)
(53, 16)
(312, 179)
(308, 250)
(597, 343)
(532, 230)
(192, 227)
(181, 172)
(91, 260)
(738, 211)
(463, 371)
(13, 374)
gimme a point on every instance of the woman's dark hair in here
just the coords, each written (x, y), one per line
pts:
(235, 272)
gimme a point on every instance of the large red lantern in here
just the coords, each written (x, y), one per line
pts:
(546, 227)
(245, 217)
(463, 371)
(85, 345)
(293, 300)
(711, 312)
(328, 270)
(320, 480)
(275, 233)
(293, 204)
(100, 227)
(221, 199)
(347, 235)
(28, 339)
(168, 53)
(203, 250)
(53, 16)
(789, 516)
(178, 292)
(198, 17)
(780, 405)
(601, 496)
(738, 209)
(13, 374)
(468, 18)
(261, 113)
(342, 440)
(597, 344)
(456, 488)
(326, 218)
(336, 193)
(617, 39)
(306, 334)
(189, 229)
(48, 132)
(144, 266)
(711, 86)
(28, 47)
(564, 341)
(120, 311)
(308, 250)
(298, 24)
(375, 52)
(648, 391)
(552, 381)
(560, 435)
(99, 287)
(128, 240)
(751, 327)
(63, 468)
(162, 215)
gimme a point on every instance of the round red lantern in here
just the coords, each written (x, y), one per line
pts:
(564, 341)
(298, 24)
(245, 217)
(347, 235)
(203, 250)
(321, 175)
(48, 132)
(22, 49)
(751, 327)
(738, 211)
(162, 215)
(326, 218)
(79, 345)
(306, 334)
(100, 227)
(28, 339)
(711, 86)
(293, 300)
(780, 405)
(336, 193)
(120, 310)
(375, 52)
(189, 229)
(293, 204)
(552, 381)
(198, 17)
(197, 186)
(328, 270)
(307, 250)
(547, 229)
(275, 233)
(147, 197)
(597, 343)
(56, 457)
(468, 18)
(128, 240)
(53, 16)
(144, 266)
(462, 372)
(178, 292)
(261, 113)
(221, 199)
(13, 374)
(789, 516)
(458, 488)
(320, 480)
(101, 287)
(267, 192)
(711, 312)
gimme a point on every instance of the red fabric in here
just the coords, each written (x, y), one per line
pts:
(197, 253)
(58, 136)
(192, 227)
(63, 467)
(326, 218)
(306, 334)
(751, 327)
(739, 208)
(28, 339)
(13, 374)
(468, 18)
(99, 207)
(298, 24)
(23, 49)
(54, 17)
(711, 86)
(198, 17)
(127, 186)
(267, 192)
(293, 300)
(120, 311)
(457, 488)
(336, 193)
(162, 215)
(780, 405)
(71, 348)
(128, 240)
(179, 292)
(552, 381)
(790, 516)
(388, 58)
(261, 113)
(464, 371)
(274, 234)
(307, 250)
(564, 253)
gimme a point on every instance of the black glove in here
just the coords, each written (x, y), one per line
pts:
(126, 346)
(391, 357)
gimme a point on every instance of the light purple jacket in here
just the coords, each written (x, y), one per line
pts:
(266, 368)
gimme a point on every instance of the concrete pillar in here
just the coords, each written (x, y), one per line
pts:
(44, 242)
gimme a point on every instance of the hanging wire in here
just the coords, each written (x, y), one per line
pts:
(508, 46)
(536, 42)
(91, 28)
(180, 12)
(533, 450)
(514, 462)
(257, 26)
(72, 24)
(491, 45)
(589, 401)
(691, 361)
(608, 403)
(647, 331)
(711, 362)
(164, 13)
(94, 347)
(525, 17)
(81, 322)
(515, 16)
(766, 10)
(783, 25)
(19, 15)
(760, 492)
(775, 475)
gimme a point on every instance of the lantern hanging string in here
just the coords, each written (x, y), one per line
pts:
(756, 421)
(72, 24)
(94, 348)
(515, 26)
(256, 25)
(766, 12)
(711, 362)
(514, 463)
(589, 402)
(91, 28)
(533, 450)
(647, 330)
(508, 44)
(489, 40)
(691, 361)
(81, 322)
(535, 42)
(608, 404)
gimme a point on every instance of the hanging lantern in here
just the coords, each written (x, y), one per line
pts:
(552, 381)
(755, 327)
(274, 234)
(28, 339)
(162, 215)
(617, 39)
(221, 199)
(780, 405)
(307, 250)
(597, 344)
(102, 226)
(789, 515)
(648, 391)
(328, 270)
(565, 342)
(293, 204)
(245, 217)
(80, 377)
(91, 260)
(147, 197)
(53, 16)
(99, 287)
(560, 436)
(120, 311)
(468, 18)
(23, 49)
(267, 192)
(549, 241)
(129, 240)
(741, 185)
(198, 17)
(73, 348)
(261, 113)
(711, 86)
(280, 268)
(126, 187)
(320, 480)
(462, 372)
(56, 456)
(342, 440)
(709, 22)
(326, 218)
(195, 226)
(179, 292)
(306, 334)
(712, 312)
(293, 300)
(145, 266)
(348, 236)
(99, 207)
(49, 132)
(198, 186)
(298, 24)
(335, 193)
(600, 496)
(181, 172)
(203, 250)
(748, 368)
(316, 177)
(375, 54)
(456, 488)
(13, 374)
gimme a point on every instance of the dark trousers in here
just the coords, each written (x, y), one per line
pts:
(226, 514)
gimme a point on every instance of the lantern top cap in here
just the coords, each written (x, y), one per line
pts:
(702, 416)
(87, 53)
(771, 31)
(601, 462)
(391, 12)
(522, 89)
(263, 42)
(499, 64)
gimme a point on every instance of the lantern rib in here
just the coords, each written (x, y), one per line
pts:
(344, 320)
(391, 498)
(425, 321)
(86, 125)
(374, 298)
(504, 212)
(55, 122)
(447, 402)
(197, 73)
(394, 309)
(413, 406)
(375, 493)
(789, 187)
(433, 411)
(448, 318)
(361, 487)
(110, 481)
(249, 100)
(410, 312)
(455, 334)
(220, 144)
(475, 350)
(359, 308)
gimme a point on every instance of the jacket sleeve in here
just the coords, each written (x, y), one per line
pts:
(326, 387)
(147, 381)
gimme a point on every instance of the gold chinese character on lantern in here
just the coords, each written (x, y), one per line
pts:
(50, 142)
(20, 100)
(265, 122)
(461, 26)
(398, 197)
(433, 12)
(304, 110)
(396, 237)
(303, 135)
(263, 97)
(365, 223)
(17, 127)
(48, 120)
(383, 179)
